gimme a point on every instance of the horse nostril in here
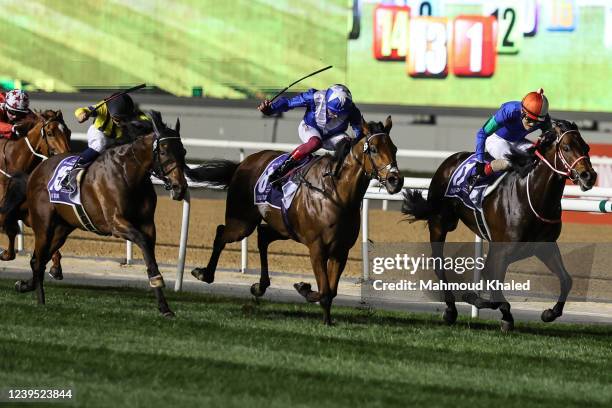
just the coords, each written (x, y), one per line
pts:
(585, 175)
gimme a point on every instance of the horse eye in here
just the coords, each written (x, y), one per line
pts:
(566, 148)
(373, 149)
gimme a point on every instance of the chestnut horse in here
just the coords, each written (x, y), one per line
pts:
(525, 207)
(47, 135)
(117, 194)
(324, 214)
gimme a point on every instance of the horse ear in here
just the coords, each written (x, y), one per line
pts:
(388, 124)
(364, 127)
(177, 127)
(59, 114)
(574, 126)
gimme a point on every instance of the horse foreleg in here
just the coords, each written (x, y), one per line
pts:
(318, 259)
(552, 259)
(335, 267)
(56, 268)
(233, 231)
(12, 229)
(265, 236)
(144, 238)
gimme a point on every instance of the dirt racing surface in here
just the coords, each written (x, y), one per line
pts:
(285, 256)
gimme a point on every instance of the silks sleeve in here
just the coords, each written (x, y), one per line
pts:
(355, 121)
(6, 129)
(285, 104)
(90, 110)
(487, 130)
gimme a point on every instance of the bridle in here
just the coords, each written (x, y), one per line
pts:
(570, 172)
(158, 168)
(44, 136)
(376, 172)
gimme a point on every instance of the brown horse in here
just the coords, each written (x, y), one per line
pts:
(525, 207)
(324, 214)
(117, 194)
(47, 135)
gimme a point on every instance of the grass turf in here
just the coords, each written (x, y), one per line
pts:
(113, 349)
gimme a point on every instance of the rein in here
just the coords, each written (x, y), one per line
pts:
(569, 172)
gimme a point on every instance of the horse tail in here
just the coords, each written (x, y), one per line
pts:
(15, 193)
(214, 172)
(416, 207)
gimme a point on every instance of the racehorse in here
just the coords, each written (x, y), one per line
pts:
(118, 196)
(525, 207)
(47, 135)
(324, 214)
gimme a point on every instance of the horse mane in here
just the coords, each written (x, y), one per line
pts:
(524, 161)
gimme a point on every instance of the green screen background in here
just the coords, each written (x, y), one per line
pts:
(248, 48)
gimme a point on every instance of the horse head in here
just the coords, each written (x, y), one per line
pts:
(47, 132)
(169, 156)
(379, 159)
(571, 154)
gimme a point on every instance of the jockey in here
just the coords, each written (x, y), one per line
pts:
(105, 130)
(328, 115)
(508, 127)
(14, 106)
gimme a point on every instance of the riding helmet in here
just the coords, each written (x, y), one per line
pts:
(535, 105)
(339, 99)
(17, 101)
(121, 106)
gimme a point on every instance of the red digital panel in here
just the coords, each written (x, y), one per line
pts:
(474, 42)
(390, 32)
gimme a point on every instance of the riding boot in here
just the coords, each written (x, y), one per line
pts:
(281, 170)
(87, 156)
(499, 165)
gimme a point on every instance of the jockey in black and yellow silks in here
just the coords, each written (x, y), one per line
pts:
(106, 130)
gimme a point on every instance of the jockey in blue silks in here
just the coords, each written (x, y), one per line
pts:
(328, 115)
(508, 127)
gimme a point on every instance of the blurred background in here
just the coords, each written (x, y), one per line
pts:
(440, 68)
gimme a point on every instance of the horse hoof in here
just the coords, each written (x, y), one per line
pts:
(258, 290)
(5, 256)
(169, 314)
(56, 273)
(23, 286)
(303, 288)
(450, 316)
(157, 282)
(507, 326)
(203, 274)
(549, 315)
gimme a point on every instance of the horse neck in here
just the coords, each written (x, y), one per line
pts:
(139, 157)
(353, 182)
(546, 186)
(19, 154)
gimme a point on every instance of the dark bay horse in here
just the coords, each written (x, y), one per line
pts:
(47, 135)
(324, 214)
(525, 207)
(118, 196)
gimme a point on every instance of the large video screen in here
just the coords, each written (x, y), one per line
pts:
(445, 53)
(482, 53)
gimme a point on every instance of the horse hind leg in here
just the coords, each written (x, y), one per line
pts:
(552, 259)
(234, 230)
(265, 236)
(437, 237)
